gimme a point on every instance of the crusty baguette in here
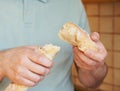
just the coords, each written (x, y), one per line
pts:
(76, 36)
(49, 51)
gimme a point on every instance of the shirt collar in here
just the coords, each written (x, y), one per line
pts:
(44, 1)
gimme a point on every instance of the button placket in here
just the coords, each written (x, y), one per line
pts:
(28, 16)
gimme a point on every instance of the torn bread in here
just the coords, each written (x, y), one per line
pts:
(76, 36)
(49, 51)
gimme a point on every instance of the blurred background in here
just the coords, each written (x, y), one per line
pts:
(104, 17)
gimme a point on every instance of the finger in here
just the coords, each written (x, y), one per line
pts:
(99, 44)
(23, 81)
(15, 77)
(82, 65)
(98, 56)
(36, 68)
(30, 75)
(83, 57)
(86, 59)
(40, 59)
(95, 36)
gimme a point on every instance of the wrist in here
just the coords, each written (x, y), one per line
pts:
(100, 72)
(92, 78)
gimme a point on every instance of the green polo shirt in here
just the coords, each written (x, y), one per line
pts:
(37, 22)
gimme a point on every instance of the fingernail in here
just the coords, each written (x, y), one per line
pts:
(47, 62)
(47, 72)
(96, 36)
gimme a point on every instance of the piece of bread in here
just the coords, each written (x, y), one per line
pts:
(16, 87)
(76, 36)
(49, 51)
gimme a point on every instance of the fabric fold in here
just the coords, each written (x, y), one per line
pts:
(44, 1)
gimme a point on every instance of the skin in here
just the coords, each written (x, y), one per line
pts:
(24, 65)
(90, 64)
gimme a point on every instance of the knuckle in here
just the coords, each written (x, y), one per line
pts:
(17, 78)
(51, 64)
(45, 71)
(26, 51)
(39, 79)
(22, 61)
(38, 57)
(29, 83)
(18, 70)
(32, 84)
(101, 59)
(91, 63)
(102, 56)
(41, 71)
(22, 50)
(91, 54)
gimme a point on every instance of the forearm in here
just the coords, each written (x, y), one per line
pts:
(92, 78)
(1, 73)
(1, 76)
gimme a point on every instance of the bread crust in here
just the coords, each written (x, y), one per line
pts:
(76, 36)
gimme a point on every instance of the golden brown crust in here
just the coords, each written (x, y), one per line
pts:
(16, 87)
(76, 36)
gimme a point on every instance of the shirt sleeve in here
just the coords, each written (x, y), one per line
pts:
(83, 22)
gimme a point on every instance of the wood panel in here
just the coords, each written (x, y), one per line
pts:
(100, 1)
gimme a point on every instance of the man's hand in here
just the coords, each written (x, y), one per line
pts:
(24, 65)
(91, 64)
(89, 59)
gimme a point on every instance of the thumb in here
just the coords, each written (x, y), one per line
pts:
(95, 36)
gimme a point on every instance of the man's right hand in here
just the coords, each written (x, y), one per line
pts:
(24, 65)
